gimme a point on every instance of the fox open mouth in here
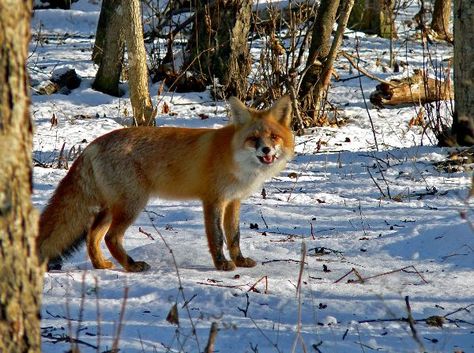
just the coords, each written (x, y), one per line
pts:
(267, 159)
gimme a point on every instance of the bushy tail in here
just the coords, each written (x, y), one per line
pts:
(66, 219)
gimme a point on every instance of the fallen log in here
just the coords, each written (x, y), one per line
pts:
(416, 89)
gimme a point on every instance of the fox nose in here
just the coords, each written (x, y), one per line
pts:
(266, 150)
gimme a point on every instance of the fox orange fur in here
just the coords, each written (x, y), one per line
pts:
(111, 181)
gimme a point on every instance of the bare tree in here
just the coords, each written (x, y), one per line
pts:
(143, 111)
(120, 23)
(320, 45)
(463, 122)
(20, 272)
(440, 19)
(322, 56)
(374, 17)
(109, 48)
(218, 45)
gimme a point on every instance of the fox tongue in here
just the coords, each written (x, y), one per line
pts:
(268, 158)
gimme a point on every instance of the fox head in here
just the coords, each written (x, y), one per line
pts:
(263, 138)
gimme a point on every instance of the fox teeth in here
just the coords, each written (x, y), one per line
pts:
(267, 159)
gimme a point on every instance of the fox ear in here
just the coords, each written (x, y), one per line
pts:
(281, 109)
(239, 112)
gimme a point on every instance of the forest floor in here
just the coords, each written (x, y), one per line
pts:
(382, 240)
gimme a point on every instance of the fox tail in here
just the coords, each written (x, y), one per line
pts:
(66, 219)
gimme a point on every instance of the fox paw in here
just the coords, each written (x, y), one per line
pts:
(104, 265)
(225, 265)
(138, 266)
(245, 262)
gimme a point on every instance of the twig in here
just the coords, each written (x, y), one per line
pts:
(403, 269)
(265, 336)
(247, 304)
(81, 305)
(188, 301)
(140, 229)
(115, 345)
(254, 289)
(282, 233)
(411, 322)
(365, 101)
(383, 176)
(212, 338)
(64, 338)
(263, 219)
(363, 71)
(180, 283)
(281, 260)
(375, 182)
(460, 309)
(363, 279)
(97, 299)
(354, 271)
(405, 319)
(238, 286)
(298, 295)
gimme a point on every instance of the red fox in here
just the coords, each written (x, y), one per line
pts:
(111, 181)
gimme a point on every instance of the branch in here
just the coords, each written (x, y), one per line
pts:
(363, 71)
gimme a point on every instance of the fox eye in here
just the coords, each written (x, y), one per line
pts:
(274, 137)
(253, 139)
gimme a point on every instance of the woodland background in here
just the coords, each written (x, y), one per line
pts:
(366, 239)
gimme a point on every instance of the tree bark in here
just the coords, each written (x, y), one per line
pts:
(314, 92)
(322, 29)
(416, 89)
(374, 17)
(218, 45)
(143, 111)
(20, 272)
(440, 19)
(318, 52)
(109, 48)
(463, 121)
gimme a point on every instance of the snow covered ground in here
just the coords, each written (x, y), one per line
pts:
(366, 262)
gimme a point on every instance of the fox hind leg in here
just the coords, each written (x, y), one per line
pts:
(121, 220)
(232, 232)
(96, 233)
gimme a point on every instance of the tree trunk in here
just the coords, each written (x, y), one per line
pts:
(313, 95)
(318, 52)
(322, 29)
(374, 17)
(143, 111)
(440, 20)
(109, 48)
(218, 45)
(463, 122)
(20, 272)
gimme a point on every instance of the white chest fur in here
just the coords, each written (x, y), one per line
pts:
(251, 174)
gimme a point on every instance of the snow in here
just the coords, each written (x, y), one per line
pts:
(331, 199)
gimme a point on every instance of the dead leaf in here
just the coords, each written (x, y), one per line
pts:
(172, 317)
(165, 109)
(54, 120)
(292, 175)
(435, 320)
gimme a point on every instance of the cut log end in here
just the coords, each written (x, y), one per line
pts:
(413, 90)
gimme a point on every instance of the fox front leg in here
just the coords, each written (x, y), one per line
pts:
(232, 232)
(213, 217)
